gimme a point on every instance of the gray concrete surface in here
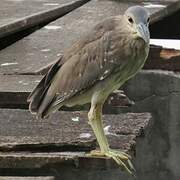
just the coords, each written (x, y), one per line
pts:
(158, 92)
(46, 45)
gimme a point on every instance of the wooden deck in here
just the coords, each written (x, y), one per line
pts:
(19, 15)
(58, 147)
(42, 47)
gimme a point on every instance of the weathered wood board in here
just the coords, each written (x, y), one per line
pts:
(15, 89)
(26, 142)
(18, 15)
(46, 45)
(26, 178)
(20, 130)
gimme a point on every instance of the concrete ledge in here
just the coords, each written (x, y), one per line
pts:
(158, 92)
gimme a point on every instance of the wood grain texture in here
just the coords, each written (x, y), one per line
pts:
(65, 131)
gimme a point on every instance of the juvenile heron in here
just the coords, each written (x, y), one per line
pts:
(110, 54)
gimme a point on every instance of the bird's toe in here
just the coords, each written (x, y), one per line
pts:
(122, 159)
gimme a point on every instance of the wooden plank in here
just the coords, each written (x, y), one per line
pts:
(26, 178)
(19, 15)
(21, 134)
(46, 45)
(79, 160)
(66, 131)
(12, 10)
(18, 83)
(160, 57)
(15, 89)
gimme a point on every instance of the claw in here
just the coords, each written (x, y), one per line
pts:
(121, 158)
(131, 165)
(121, 163)
(121, 154)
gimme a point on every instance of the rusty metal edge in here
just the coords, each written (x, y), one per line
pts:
(39, 18)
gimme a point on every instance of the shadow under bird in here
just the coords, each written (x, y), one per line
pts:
(94, 66)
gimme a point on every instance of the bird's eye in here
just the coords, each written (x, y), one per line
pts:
(148, 20)
(130, 20)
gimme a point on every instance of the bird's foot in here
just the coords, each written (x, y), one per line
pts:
(121, 158)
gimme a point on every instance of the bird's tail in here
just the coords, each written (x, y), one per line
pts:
(37, 96)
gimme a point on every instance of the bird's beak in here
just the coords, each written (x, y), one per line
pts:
(143, 32)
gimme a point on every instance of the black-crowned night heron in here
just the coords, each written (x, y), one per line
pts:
(111, 53)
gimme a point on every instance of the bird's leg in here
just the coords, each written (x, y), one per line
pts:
(95, 121)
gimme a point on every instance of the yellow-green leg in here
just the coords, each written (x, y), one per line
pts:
(95, 121)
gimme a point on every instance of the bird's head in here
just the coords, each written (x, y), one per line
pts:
(137, 18)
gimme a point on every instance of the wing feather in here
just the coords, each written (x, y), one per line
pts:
(85, 63)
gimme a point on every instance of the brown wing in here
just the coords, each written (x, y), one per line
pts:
(36, 96)
(85, 63)
(83, 70)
